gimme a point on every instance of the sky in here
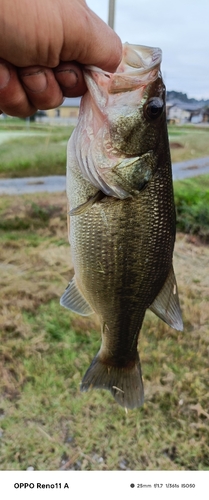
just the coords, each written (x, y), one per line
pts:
(179, 27)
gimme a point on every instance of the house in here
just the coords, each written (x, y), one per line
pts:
(184, 112)
(66, 113)
(206, 115)
(68, 109)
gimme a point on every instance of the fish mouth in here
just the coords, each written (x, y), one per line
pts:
(140, 66)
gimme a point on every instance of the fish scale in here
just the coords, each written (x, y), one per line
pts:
(122, 244)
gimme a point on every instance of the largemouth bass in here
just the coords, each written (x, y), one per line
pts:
(122, 216)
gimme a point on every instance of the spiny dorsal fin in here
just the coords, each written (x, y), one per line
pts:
(73, 299)
(166, 305)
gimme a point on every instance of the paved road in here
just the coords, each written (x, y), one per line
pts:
(51, 184)
(57, 183)
(191, 168)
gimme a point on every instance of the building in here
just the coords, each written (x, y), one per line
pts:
(68, 109)
(184, 112)
(66, 113)
(206, 115)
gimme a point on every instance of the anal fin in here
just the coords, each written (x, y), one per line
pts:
(73, 299)
(166, 304)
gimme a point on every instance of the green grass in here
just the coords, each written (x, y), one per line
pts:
(41, 152)
(46, 422)
(192, 206)
(49, 421)
(188, 142)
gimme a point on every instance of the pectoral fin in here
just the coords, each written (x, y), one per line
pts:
(166, 305)
(87, 204)
(73, 299)
(134, 173)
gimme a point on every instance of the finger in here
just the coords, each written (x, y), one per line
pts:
(13, 99)
(90, 40)
(69, 75)
(107, 55)
(41, 87)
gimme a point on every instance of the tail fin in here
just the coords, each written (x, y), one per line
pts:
(125, 384)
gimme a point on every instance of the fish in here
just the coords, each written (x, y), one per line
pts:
(122, 217)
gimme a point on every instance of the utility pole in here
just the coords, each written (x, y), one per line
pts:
(111, 13)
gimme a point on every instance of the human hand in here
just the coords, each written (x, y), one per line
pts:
(43, 46)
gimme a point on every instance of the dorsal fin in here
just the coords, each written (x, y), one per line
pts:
(73, 299)
(166, 304)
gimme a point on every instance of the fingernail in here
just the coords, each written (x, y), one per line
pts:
(67, 78)
(4, 76)
(35, 82)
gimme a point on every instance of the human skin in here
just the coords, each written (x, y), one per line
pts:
(43, 45)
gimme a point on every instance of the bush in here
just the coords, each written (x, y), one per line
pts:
(192, 210)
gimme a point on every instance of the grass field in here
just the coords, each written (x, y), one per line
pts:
(188, 142)
(192, 206)
(42, 151)
(46, 423)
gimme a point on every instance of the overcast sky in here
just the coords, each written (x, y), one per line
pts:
(179, 27)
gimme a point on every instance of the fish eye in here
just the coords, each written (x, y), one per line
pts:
(153, 108)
